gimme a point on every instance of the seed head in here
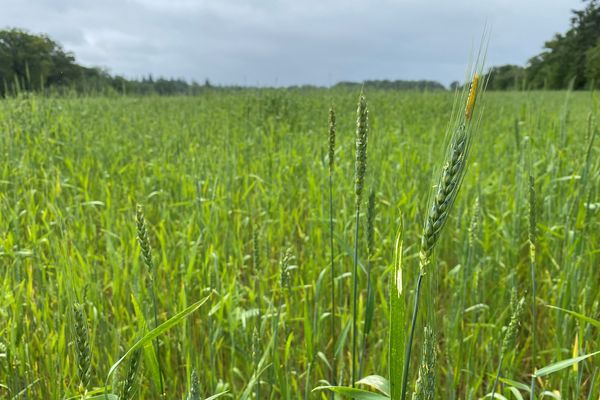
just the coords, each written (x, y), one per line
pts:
(472, 97)
(510, 333)
(446, 192)
(474, 227)
(83, 348)
(284, 268)
(194, 393)
(255, 250)
(332, 129)
(142, 235)
(362, 127)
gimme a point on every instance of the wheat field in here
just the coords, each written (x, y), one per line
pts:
(234, 193)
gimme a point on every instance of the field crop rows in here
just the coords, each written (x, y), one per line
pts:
(235, 196)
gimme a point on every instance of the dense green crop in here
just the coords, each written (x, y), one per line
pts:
(235, 194)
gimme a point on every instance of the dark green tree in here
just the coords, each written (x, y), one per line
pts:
(592, 67)
(34, 62)
(506, 77)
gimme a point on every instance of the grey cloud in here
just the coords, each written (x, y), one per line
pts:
(291, 42)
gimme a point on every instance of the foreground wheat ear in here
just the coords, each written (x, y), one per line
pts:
(442, 199)
(450, 179)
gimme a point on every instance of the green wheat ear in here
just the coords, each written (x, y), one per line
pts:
(142, 234)
(445, 194)
(194, 393)
(83, 348)
(362, 127)
(332, 130)
(128, 385)
(450, 180)
(510, 334)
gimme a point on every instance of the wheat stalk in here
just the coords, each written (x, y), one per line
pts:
(362, 126)
(82, 346)
(447, 189)
(532, 264)
(369, 309)
(332, 131)
(142, 235)
(510, 335)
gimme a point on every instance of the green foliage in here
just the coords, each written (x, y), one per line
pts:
(393, 85)
(565, 56)
(506, 77)
(572, 56)
(206, 168)
(31, 62)
(592, 66)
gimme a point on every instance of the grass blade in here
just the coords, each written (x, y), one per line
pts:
(352, 393)
(397, 315)
(555, 367)
(154, 333)
(582, 317)
(376, 382)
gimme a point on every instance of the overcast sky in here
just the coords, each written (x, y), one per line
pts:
(285, 42)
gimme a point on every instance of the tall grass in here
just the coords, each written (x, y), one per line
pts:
(210, 168)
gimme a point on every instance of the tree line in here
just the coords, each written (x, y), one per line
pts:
(30, 62)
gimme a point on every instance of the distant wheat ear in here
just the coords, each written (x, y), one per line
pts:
(284, 270)
(194, 393)
(450, 179)
(332, 129)
(142, 235)
(128, 385)
(510, 333)
(474, 226)
(362, 127)
(83, 348)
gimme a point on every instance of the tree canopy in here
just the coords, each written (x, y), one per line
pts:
(570, 57)
(33, 62)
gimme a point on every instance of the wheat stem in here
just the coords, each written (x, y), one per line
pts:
(361, 168)
(332, 131)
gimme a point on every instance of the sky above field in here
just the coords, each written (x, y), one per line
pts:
(288, 42)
